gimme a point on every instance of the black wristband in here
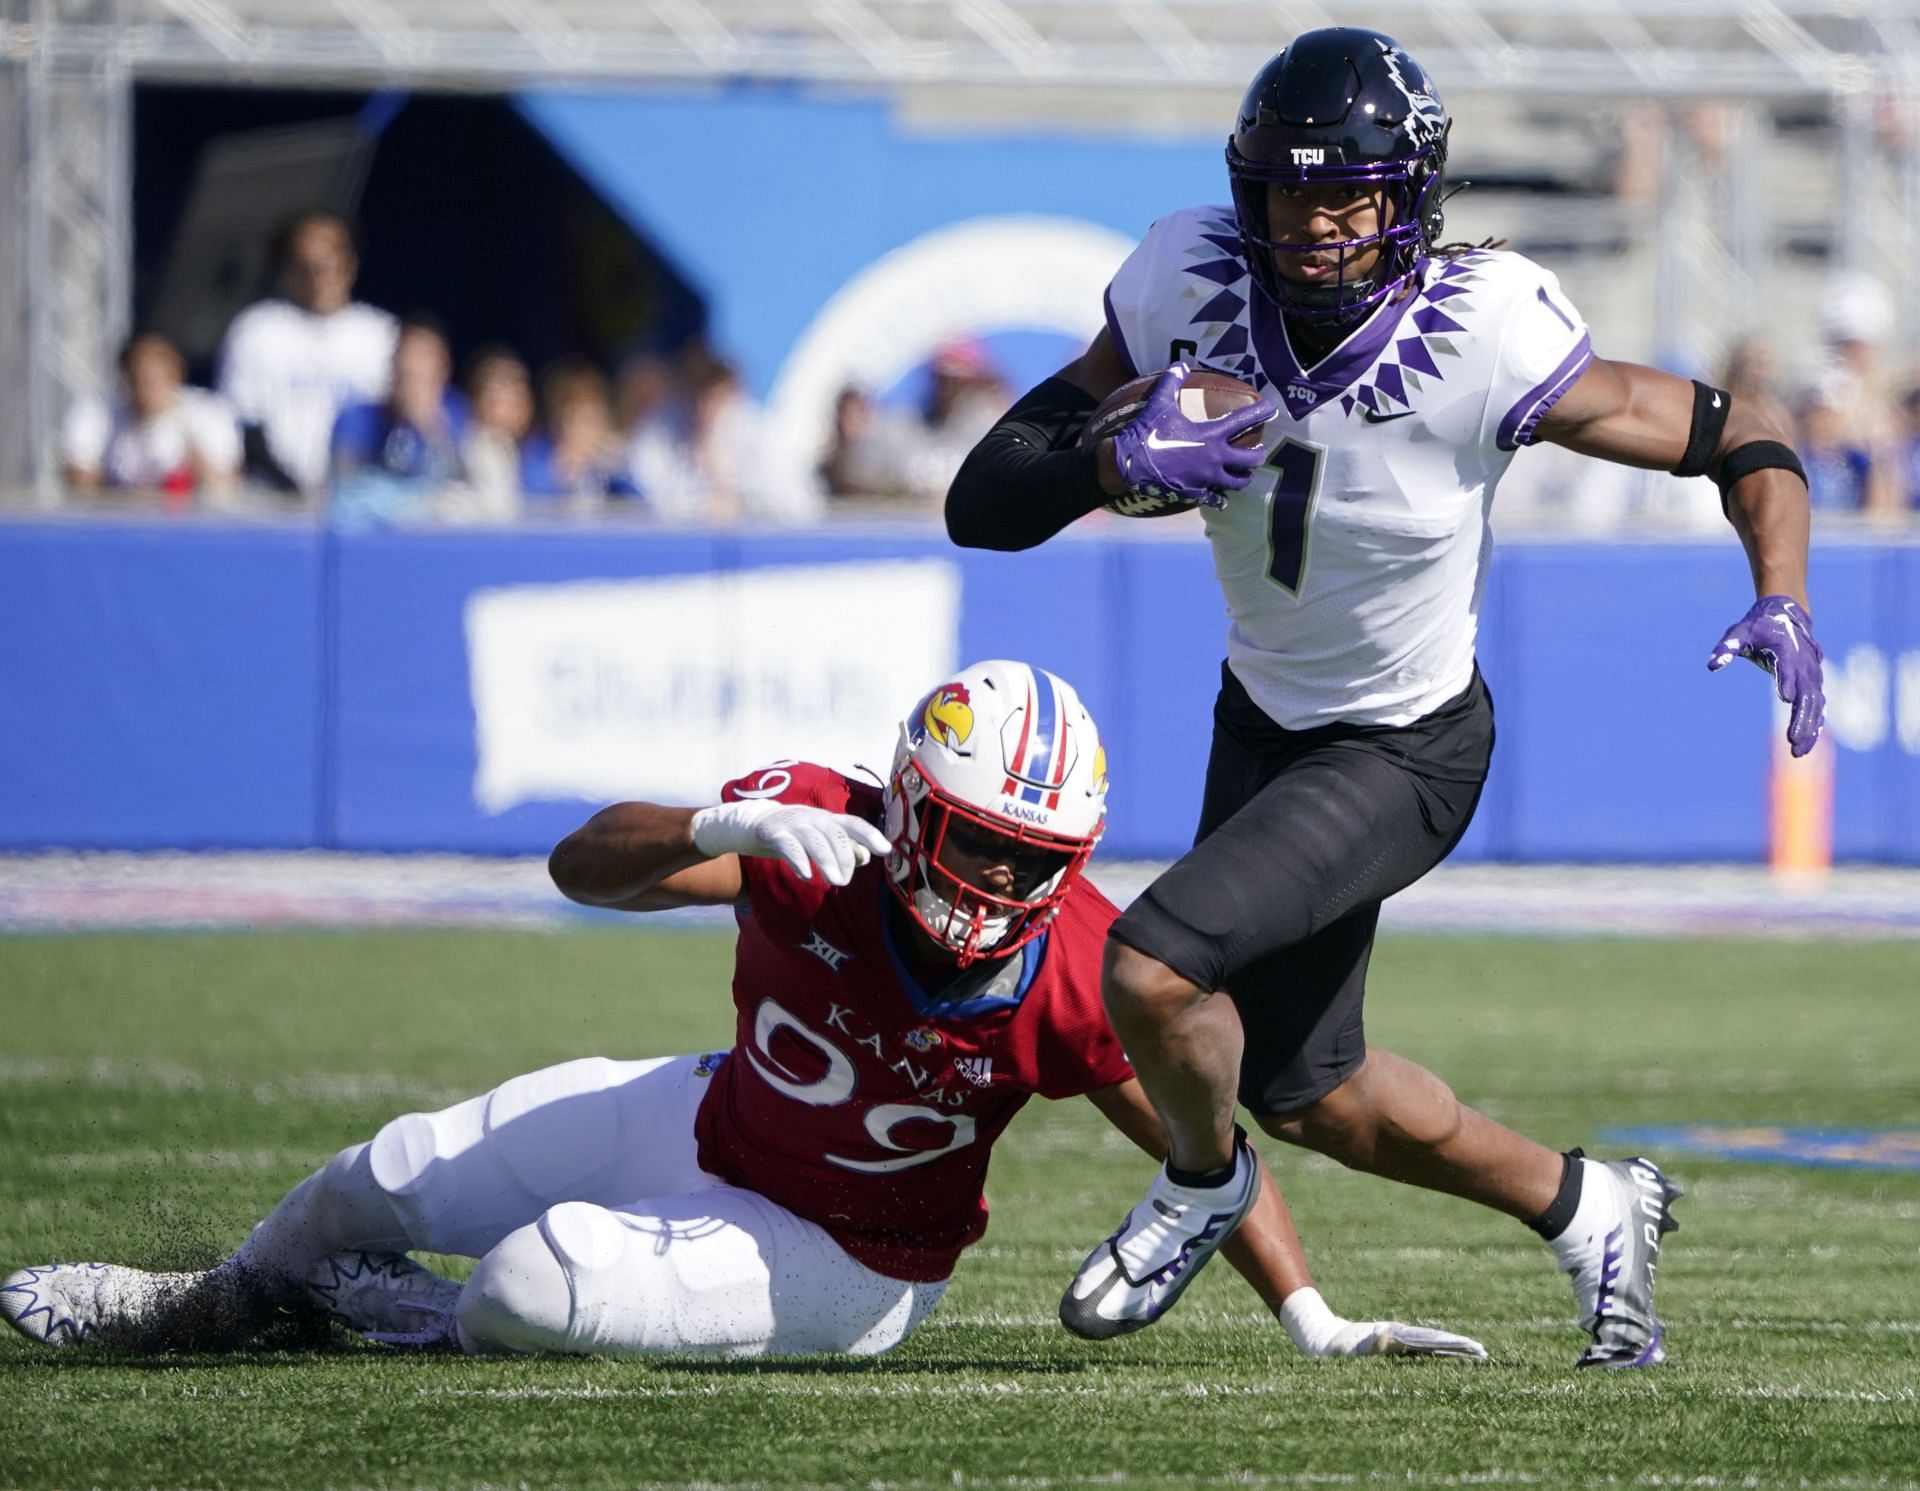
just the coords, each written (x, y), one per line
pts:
(1710, 407)
(1756, 455)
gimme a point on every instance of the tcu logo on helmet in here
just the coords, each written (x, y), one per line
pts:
(1305, 157)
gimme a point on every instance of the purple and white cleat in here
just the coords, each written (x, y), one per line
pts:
(63, 1304)
(1133, 1278)
(387, 1297)
(1613, 1274)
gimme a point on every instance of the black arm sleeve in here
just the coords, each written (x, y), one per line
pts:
(1027, 478)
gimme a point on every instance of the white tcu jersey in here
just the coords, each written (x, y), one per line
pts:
(1353, 564)
(292, 372)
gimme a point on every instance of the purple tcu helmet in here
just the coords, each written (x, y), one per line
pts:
(1341, 106)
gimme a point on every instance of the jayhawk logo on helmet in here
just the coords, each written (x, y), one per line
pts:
(948, 715)
(1099, 770)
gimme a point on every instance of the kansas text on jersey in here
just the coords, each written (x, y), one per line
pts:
(853, 1098)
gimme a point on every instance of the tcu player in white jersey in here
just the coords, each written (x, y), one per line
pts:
(1352, 730)
(901, 992)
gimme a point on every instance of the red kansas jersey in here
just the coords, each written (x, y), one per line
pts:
(852, 1097)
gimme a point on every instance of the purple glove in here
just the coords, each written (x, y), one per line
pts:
(1164, 454)
(1777, 636)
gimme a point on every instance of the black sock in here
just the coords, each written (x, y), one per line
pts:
(1206, 1180)
(1556, 1218)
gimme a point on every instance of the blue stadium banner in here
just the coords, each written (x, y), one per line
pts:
(203, 685)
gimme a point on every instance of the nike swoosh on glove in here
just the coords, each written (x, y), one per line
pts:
(1164, 454)
(803, 836)
(1777, 635)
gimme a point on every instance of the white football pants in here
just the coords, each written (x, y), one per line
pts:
(579, 1190)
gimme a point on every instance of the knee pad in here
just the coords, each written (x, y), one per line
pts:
(524, 1294)
(401, 1159)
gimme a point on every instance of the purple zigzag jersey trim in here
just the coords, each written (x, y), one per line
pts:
(1223, 307)
(1220, 271)
(1303, 390)
(1414, 354)
(1516, 428)
(1432, 318)
(1233, 342)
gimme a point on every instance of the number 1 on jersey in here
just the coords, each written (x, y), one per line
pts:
(1296, 468)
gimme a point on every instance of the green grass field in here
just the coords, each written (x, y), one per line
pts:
(158, 1093)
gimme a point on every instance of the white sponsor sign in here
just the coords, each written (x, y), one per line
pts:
(662, 689)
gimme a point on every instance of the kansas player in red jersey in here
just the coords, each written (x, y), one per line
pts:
(914, 963)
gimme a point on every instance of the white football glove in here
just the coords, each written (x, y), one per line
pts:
(803, 836)
(1321, 1334)
(1391, 1338)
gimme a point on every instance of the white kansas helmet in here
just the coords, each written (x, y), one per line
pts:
(997, 797)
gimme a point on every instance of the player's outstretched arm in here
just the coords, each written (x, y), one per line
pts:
(640, 856)
(1640, 416)
(1266, 1249)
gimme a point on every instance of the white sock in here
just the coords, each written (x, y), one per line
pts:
(1582, 1243)
(1316, 1330)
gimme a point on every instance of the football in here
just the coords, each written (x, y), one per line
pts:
(1205, 395)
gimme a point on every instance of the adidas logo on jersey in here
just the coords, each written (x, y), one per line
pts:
(976, 1069)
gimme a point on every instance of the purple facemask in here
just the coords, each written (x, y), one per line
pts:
(1407, 188)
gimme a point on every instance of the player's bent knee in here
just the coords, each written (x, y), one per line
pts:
(521, 1296)
(1135, 982)
(1342, 1125)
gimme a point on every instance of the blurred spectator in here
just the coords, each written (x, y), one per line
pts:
(291, 364)
(653, 415)
(869, 454)
(1838, 469)
(1752, 376)
(740, 472)
(1910, 449)
(393, 458)
(1856, 317)
(965, 398)
(155, 433)
(500, 416)
(579, 455)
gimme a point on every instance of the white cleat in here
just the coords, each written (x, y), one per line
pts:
(386, 1297)
(1614, 1272)
(62, 1304)
(1134, 1277)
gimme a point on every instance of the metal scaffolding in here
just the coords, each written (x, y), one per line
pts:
(67, 68)
(1745, 48)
